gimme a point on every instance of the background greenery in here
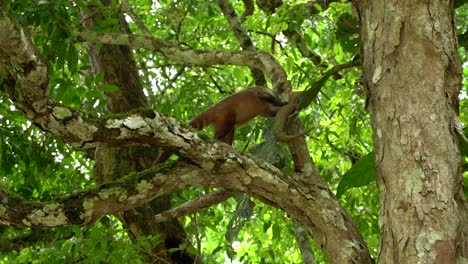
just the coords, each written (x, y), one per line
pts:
(38, 167)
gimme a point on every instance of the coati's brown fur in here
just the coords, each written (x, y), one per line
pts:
(234, 110)
(238, 109)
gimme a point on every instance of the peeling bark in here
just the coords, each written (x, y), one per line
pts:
(306, 199)
(119, 68)
(413, 74)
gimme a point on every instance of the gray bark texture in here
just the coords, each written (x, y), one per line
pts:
(413, 75)
(26, 83)
(112, 163)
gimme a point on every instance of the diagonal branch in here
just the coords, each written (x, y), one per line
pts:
(312, 92)
(26, 82)
(257, 60)
(195, 205)
(242, 37)
(303, 198)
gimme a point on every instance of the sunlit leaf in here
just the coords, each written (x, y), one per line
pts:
(361, 174)
(108, 88)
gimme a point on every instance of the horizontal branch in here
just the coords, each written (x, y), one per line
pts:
(257, 60)
(236, 173)
(26, 82)
(88, 206)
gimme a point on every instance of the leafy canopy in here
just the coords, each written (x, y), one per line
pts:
(36, 166)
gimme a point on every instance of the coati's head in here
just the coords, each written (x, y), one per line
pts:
(273, 103)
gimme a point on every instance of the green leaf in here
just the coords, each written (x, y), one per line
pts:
(108, 88)
(266, 226)
(216, 250)
(277, 229)
(99, 77)
(463, 144)
(192, 251)
(72, 59)
(361, 174)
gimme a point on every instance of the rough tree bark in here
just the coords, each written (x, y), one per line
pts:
(112, 163)
(413, 75)
(26, 83)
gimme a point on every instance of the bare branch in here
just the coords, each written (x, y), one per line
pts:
(241, 34)
(249, 9)
(26, 82)
(193, 206)
(258, 60)
(127, 8)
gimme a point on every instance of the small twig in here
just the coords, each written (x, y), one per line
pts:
(127, 8)
(312, 92)
(193, 206)
(241, 34)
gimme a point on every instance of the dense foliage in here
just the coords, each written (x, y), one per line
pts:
(35, 166)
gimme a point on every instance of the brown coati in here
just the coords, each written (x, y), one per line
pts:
(234, 110)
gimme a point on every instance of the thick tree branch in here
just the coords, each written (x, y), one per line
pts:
(307, 199)
(26, 83)
(235, 172)
(257, 60)
(86, 207)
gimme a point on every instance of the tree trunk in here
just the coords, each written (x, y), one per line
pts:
(120, 69)
(413, 75)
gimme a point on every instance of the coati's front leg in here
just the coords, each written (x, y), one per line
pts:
(236, 109)
(224, 128)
